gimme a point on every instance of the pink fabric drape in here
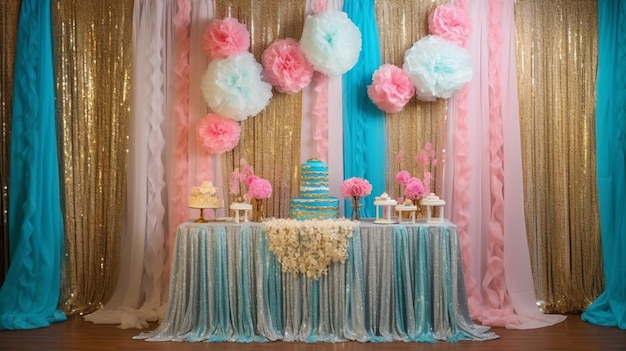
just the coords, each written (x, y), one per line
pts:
(485, 190)
(180, 125)
(322, 122)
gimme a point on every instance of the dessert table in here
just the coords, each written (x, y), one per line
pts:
(401, 282)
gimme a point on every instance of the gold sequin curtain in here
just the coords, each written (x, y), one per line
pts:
(9, 15)
(270, 141)
(557, 59)
(400, 24)
(93, 54)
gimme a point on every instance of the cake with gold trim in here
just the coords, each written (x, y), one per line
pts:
(314, 201)
(204, 196)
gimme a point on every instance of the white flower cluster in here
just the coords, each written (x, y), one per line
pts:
(309, 246)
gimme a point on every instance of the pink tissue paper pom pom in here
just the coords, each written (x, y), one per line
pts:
(356, 187)
(285, 66)
(414, 188)
(391, 88)
(225, 37)
(260, 188)
(451, 23)
(217, 134)
(403, 177)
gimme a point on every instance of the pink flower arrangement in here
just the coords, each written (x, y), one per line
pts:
(217, 134)
(391, 88)
(239, 177)
(414, 189)
(225, 37)
(285, 66)
(259, 188)
(451, 23)
(355, 187)
(403, 177)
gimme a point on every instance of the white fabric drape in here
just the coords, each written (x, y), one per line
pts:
(142, 289)
(519, 283)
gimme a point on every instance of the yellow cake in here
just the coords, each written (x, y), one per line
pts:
(204, 196)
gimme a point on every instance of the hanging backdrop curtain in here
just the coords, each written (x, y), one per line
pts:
(92, 60)
(30, 292)
(270, 141)
(609, 308)
(363, 123)
(420, 122)
(141, 287)
(488, 167)
(9, 11)
(557, 62)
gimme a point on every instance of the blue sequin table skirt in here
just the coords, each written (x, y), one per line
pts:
(400, 282)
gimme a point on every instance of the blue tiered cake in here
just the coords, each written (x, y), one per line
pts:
(314, 202)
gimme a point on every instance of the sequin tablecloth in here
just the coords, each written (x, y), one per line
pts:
(400, 282)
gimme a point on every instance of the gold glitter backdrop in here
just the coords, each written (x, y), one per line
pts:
(9, 11)
(556, 64)
(557, 59)
(419, 122)
(270, 141)
(92, 50)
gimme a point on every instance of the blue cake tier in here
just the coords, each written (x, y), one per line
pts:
(319, 208)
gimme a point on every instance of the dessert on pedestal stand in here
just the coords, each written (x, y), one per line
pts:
(431, 201)
(384, 205)
(408, 208)
(241, 209)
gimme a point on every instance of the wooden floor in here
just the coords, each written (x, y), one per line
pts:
(76, 334)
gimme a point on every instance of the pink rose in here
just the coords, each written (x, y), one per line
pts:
(225, 37)
(217, 134)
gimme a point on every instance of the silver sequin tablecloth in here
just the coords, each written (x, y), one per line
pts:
(400, 282)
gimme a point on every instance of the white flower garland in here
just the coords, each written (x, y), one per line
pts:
(309, 246)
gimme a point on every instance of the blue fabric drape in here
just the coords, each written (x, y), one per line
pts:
(30, 293)
(363, 123)
(609, 309)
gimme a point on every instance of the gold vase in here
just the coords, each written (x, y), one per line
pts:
(420, 211)
(258, 210)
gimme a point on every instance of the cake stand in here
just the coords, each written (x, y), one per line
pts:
(201, 218)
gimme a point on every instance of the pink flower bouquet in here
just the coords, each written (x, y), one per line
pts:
(414, 189)
(355, 187)
(259, 188)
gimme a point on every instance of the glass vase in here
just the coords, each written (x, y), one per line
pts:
(356, 206)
